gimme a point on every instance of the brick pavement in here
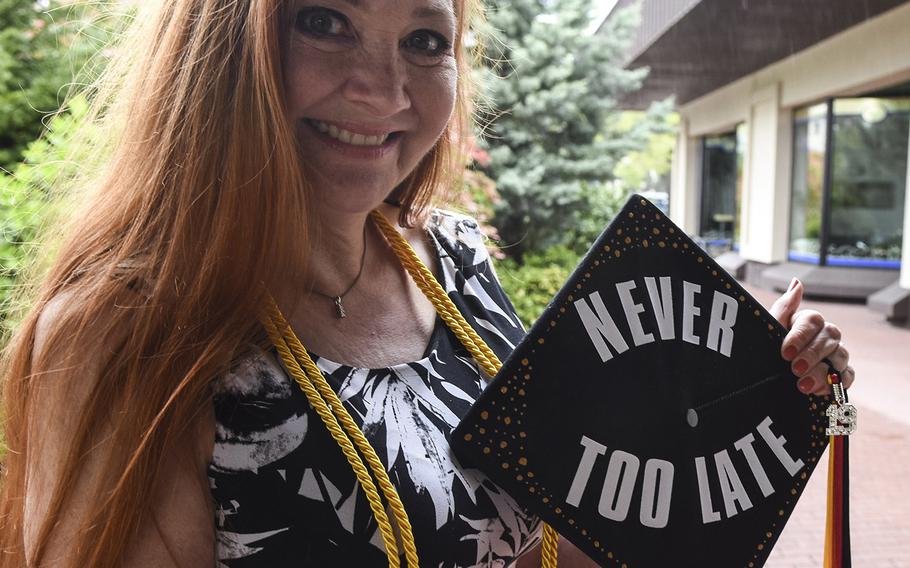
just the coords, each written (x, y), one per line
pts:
(879, 503)
(879, 451)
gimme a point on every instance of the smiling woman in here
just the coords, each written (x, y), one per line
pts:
(259, 150)
(150, 420)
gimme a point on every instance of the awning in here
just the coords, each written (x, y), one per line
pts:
(694, 47)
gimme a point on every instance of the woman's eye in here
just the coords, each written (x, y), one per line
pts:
(428, 43)
(321, 22)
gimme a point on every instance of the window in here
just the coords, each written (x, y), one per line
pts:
(848, 203)
(809, 145)
(721, 187)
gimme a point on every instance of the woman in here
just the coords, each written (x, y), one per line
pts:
(149, 420)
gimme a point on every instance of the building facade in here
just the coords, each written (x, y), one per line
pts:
(794, 138)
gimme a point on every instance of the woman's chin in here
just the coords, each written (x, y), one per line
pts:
(351, 201)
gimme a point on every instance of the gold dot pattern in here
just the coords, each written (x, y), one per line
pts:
(656, 234)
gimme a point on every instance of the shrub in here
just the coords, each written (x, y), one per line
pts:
(533, 284)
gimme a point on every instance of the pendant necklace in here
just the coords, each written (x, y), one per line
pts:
(338, 300)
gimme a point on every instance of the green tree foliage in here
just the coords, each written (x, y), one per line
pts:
(645, 169)
(43, 48)
(555, 135)
(20, 30)
(47, 51)
(26, 199)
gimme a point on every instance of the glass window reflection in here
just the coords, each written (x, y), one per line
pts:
(721, 188)
(868, 181)
(849, 211)
(809, 133)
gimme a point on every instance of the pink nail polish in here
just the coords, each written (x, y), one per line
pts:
(800, 367)
(793, 284)
(789, 353)
(805, 385)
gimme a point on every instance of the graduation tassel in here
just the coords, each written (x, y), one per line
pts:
(841, 423)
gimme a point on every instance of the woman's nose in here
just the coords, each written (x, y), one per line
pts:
(377, 81)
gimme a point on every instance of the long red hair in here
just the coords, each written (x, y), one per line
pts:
(202, 205)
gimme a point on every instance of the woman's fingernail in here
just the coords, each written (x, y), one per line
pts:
(789, 353)
(805, 384)
(800, 367)
(793, 284)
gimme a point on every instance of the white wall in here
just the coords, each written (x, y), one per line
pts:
(685, 174)
(871, 55)
(905, 250)
(765, 204)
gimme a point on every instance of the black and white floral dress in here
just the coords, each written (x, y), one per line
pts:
(284, 493)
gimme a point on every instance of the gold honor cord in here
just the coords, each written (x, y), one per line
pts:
(325, 401)
(449, 313)
(316, 395)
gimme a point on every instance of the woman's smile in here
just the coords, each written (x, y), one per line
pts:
(355, 140)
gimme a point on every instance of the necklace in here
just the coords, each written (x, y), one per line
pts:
(339, 305)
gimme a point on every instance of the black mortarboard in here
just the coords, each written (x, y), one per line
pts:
(648, 416)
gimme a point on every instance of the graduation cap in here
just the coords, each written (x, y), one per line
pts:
(648, 415)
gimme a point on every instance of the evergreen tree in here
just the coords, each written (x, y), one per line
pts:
(554, 135)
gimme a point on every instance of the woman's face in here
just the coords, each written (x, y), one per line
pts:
(370, 87)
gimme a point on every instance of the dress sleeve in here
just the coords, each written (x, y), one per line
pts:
(471, 281)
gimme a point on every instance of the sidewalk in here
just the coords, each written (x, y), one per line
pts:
(879, 451)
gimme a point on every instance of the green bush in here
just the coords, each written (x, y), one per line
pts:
(28, 201)
(48, 49)
(533, 284)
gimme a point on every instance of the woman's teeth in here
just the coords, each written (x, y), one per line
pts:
(349, 137)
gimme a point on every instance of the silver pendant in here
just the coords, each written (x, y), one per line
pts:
(339, 308)
(841, 419)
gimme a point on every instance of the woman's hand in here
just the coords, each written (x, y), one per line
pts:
(810, 340)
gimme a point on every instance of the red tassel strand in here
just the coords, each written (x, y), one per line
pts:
(837, 533)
